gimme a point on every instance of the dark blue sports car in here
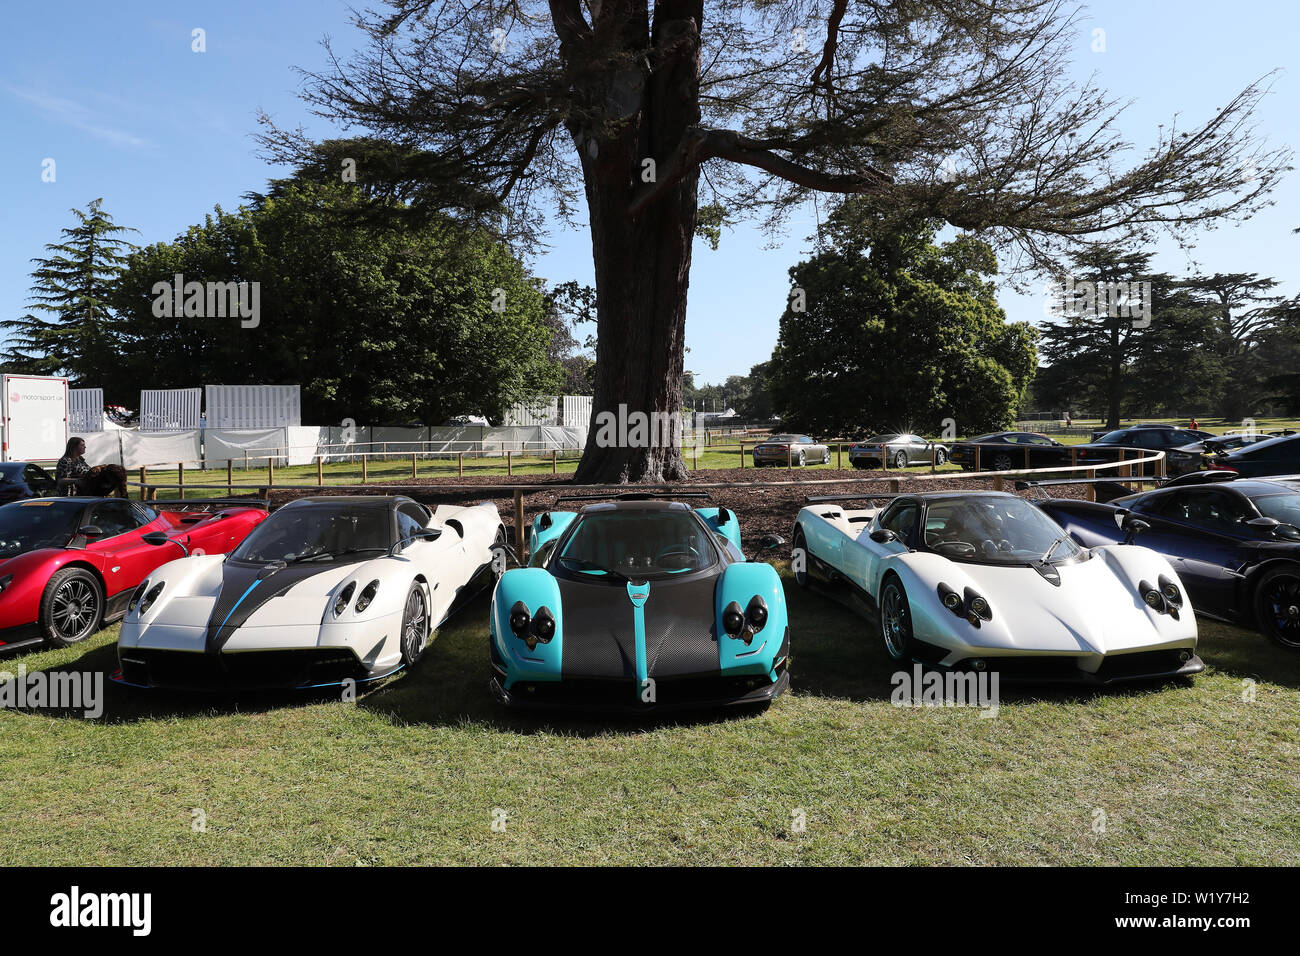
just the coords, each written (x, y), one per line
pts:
(1234, 543)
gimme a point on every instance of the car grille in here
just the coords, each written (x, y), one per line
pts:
(248, 669)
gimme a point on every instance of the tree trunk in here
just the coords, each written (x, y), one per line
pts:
(1115, 377)
(642, 262)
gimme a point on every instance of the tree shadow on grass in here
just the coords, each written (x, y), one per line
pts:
(838, 652)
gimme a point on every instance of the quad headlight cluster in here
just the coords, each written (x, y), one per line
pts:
(364, 600)
(144, 596)
(971, 605)
(1164, 597)
(743, 625)
(532, 629)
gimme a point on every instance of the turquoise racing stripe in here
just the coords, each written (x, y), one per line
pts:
(239, 602)
(638, 594)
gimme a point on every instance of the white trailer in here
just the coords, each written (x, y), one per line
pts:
(34, 409)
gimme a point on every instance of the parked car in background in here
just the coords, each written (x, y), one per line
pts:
(1097, 433)
(1234, 543)
(1136, 441)
(1003, 451)
(898, 449)
(70, 565)
(792, 449)
(1196, 456)
(22, 479)
(1263, 459)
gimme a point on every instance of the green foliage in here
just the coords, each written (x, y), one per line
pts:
(1215, 344)
(379, 319)
(70, 288)
(898, 332)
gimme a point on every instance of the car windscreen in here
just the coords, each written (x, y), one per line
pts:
(885, 438)
(316, 534)
(1114, 438)
(995, 530)
(1285, 507)
(782, 438)
(637, 545)
(32, 525)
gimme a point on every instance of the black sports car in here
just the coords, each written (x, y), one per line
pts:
(1136, 442)
(1235, 544)
(22, 479)
(1263, 459)
(1003, 451)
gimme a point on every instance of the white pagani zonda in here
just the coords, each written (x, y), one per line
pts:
(985, 580)
(324, 590)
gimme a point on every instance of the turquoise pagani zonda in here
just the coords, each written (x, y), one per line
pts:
(639, 604)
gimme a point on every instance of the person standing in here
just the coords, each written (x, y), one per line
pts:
(1195, 425)
(72, 467)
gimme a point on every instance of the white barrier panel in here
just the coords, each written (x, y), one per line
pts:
(304, 442)
(104, 447)
(532, 439)
(454, 438)
(169, 409)
(230, 444)
(254, 406)
(396, 440)
(160, 448)
(85, 410)
(576, 412)
(542, 411)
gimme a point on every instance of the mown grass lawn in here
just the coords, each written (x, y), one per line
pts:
(415, 770)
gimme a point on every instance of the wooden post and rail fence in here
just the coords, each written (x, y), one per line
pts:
(149, 490)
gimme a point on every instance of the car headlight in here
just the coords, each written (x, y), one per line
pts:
(137, 594)
(733, 619)
(543, 627)
(150, 597)
(1170, 592)
(345, 596)
(520, 619)
(756, 613)
(977, 607)
(367, 595)
(951, 600)
(1152, 597)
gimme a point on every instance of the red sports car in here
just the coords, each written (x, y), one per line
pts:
(69, 565)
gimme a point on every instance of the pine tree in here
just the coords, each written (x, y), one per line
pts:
(64, 333)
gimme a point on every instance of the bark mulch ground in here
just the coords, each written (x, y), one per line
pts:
(764, 502)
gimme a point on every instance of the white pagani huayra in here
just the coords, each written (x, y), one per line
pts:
(325, 590)
(976, 581)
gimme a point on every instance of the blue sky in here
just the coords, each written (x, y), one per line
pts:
(115, 96)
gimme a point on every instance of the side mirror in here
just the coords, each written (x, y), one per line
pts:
(770, 541)
(1269, 526)
(91, 531)
(155, 538)
(1133, 527)
(883, 536)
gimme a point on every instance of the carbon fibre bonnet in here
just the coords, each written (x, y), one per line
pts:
(599, 628)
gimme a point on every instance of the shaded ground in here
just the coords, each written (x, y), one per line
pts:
(767, 502)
